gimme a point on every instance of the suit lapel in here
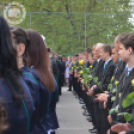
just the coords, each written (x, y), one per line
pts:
(106, 68)
(128, 79)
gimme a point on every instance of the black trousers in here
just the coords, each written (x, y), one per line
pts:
(60, 85)
(103, 124)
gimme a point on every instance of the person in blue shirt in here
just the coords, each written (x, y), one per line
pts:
(38, 91)
(16, 97)
(39, 59)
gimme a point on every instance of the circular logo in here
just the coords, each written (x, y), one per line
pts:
(14, 13)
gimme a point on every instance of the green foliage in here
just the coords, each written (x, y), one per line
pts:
(113, 98)
(114, 110)
(114, 90)
(96, 79)
(129, 100)
(65, 32)
(128, 117)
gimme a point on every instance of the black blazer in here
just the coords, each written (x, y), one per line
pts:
(118, 74)
(94, 63)
(97, 71)
(120, 69)
(126, 88)
(106, 77)
(54, 66)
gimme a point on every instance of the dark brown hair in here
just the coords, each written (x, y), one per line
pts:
(128, 40)
(88, 50)
(119, 38)
(19, 36)
(39, 58)
(107, 48)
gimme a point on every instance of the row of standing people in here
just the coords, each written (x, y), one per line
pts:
(28, 89)
(106, 86)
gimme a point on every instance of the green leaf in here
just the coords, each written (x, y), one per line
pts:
(114, 90)
(128, 117)
(113, 98)
(129, 100)
(111, 111)
(130, 95)
(90, 76)
(116, 109)
(96, 79)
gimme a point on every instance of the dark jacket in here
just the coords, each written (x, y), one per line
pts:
(106, 77)
(42, 99)
(126, 88)
(17, 118)
(118, 74)
(52, 121)
(98, 71)
(54, 67)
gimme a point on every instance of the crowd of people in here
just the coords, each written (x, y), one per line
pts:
(29, 85)
(103, 80)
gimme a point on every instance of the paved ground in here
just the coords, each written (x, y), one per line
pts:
(70, 116)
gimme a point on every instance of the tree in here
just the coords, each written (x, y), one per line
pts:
(65, 32)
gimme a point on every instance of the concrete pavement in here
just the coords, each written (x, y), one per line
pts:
(70, 115)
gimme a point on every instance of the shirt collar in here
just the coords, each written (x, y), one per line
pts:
(107, 61)
(98, 60)
(130, 69)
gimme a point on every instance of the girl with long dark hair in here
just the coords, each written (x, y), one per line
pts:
(39, 59)
(16, 97)
(38, 90)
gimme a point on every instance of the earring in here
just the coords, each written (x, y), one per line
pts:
(20, 60)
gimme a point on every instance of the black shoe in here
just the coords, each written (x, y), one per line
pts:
(93, 131)
(81, 101)
(86, 113)
(69, 90)
(53, 133)
(76, 96)
(89, 118)
(83, 107)
(92, 128)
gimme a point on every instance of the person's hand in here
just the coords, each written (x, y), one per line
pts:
(108, 132)
(90, 92)
(102, 97)
(110, 119)
(94, 86)
(79, 79)
(83, 88)
(123, 132)
(106, 92)
(79, 75)
(105, 106)
(121, 127)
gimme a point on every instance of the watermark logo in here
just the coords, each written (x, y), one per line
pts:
(14, 13)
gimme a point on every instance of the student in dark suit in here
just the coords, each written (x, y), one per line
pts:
(108, 71)
(54, 66)
(59, 65)
(126, 51)
(97, 73)
(120, 65)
